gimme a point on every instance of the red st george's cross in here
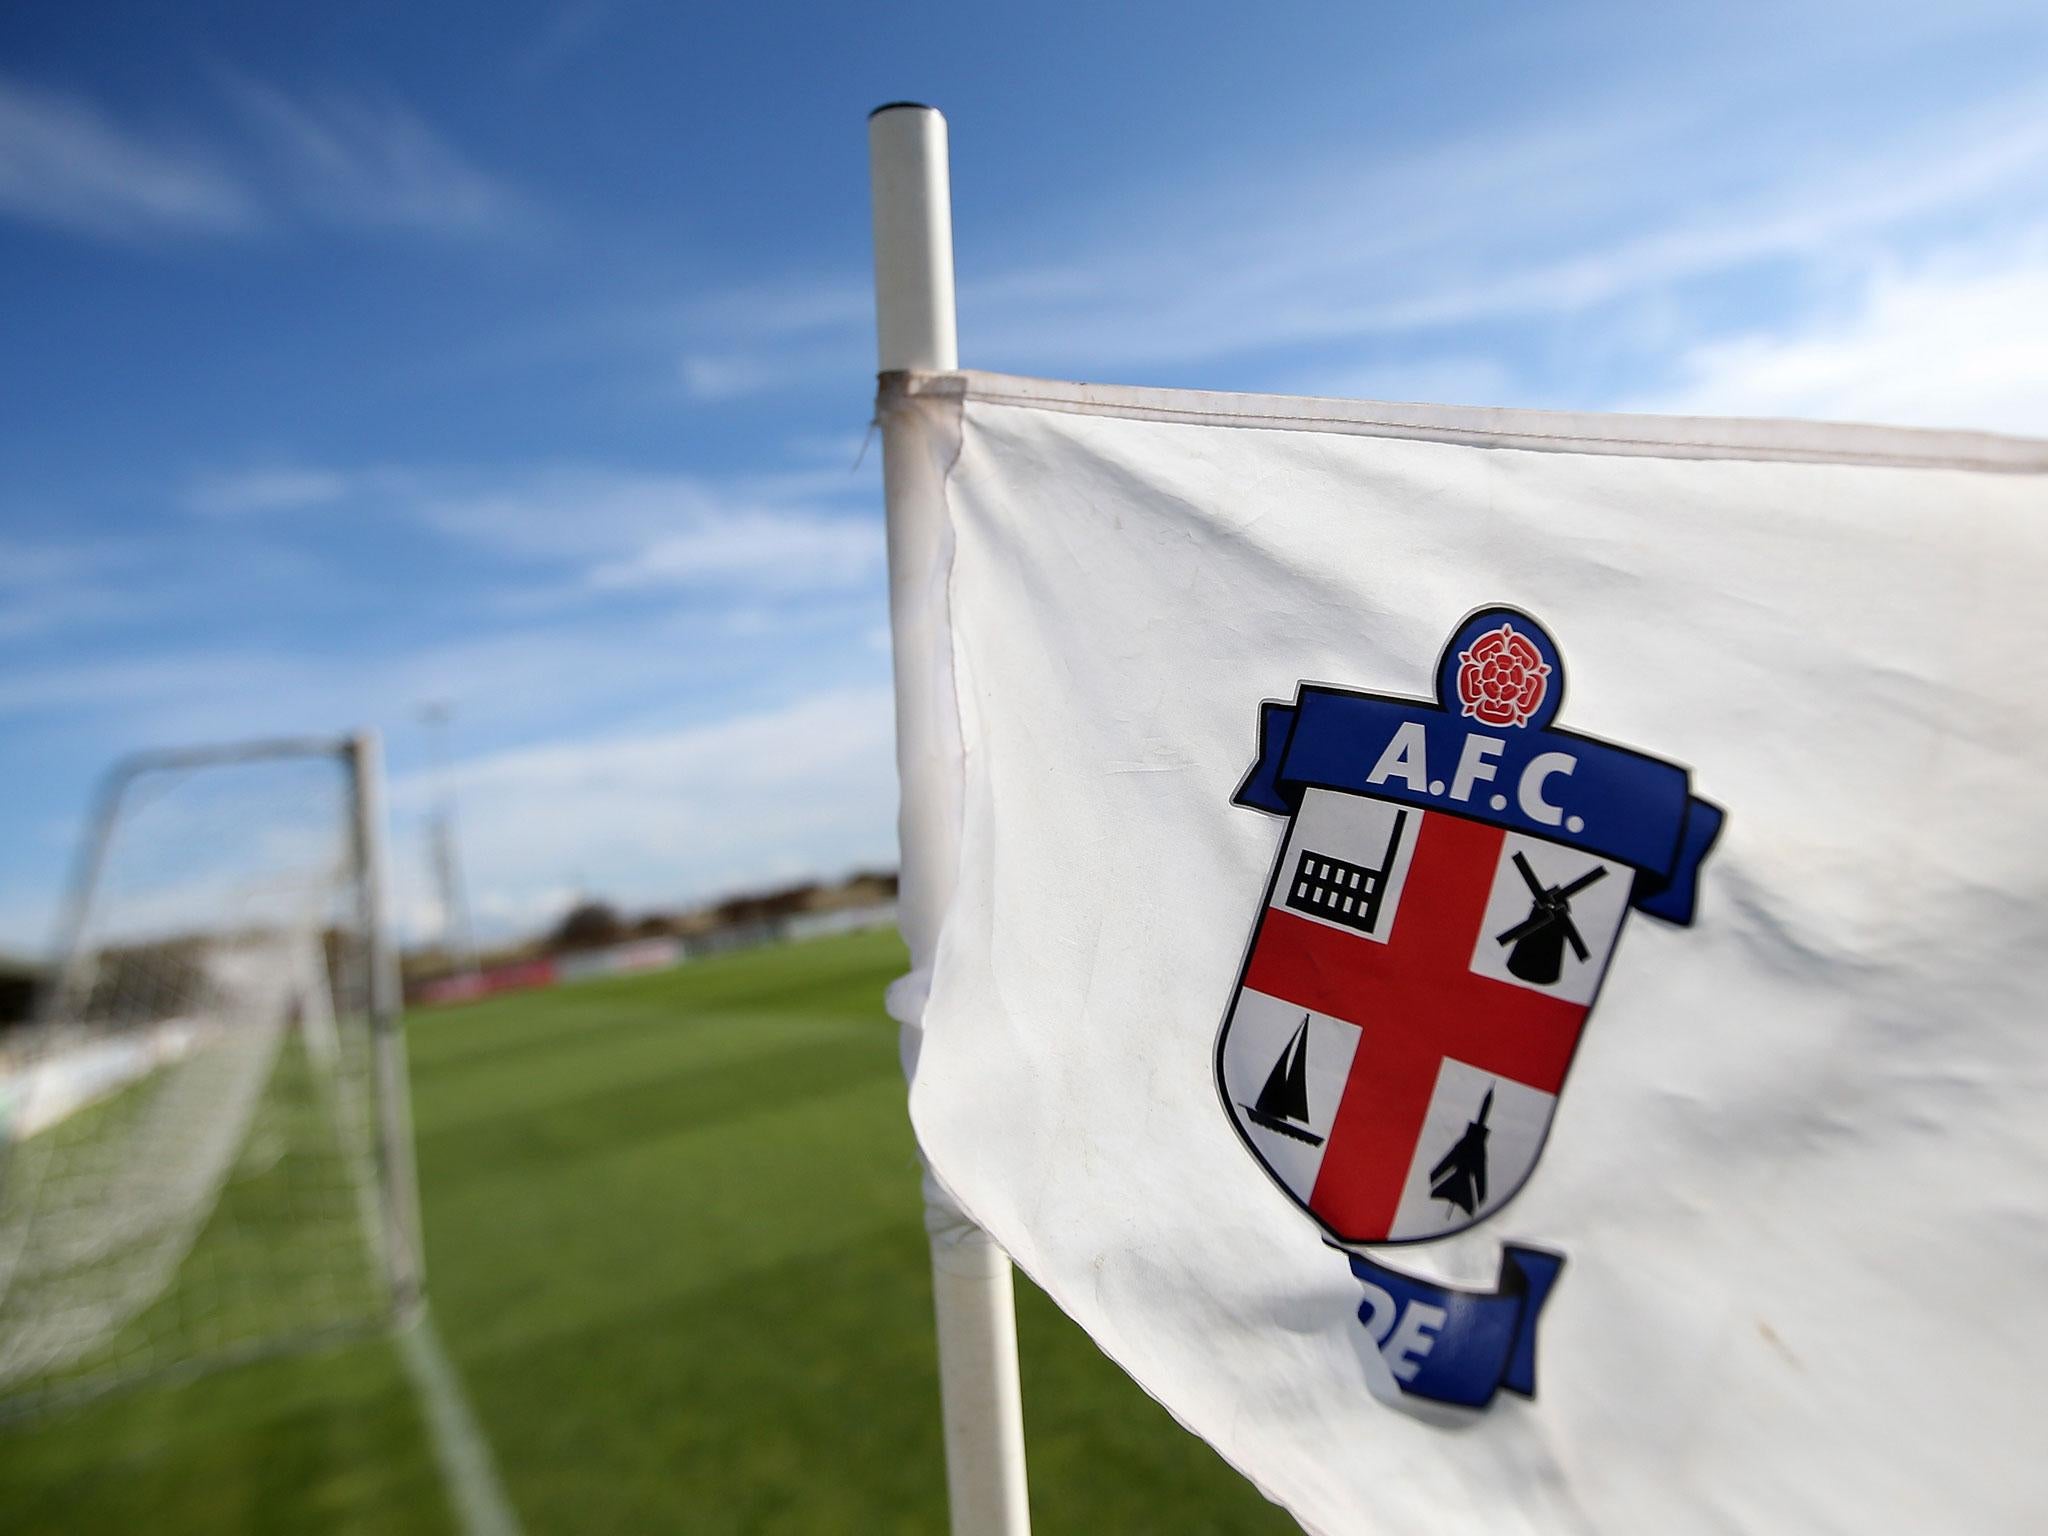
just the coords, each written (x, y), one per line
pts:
(1423, 1085)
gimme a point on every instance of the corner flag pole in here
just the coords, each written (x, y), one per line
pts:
(972, 1295)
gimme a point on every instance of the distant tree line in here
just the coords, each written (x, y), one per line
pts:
(18, 984)
(597, 924)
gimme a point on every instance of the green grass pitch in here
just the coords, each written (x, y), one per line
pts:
(674, 1249)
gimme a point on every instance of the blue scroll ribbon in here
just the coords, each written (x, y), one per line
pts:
(1607, 800)
(1458, 1346)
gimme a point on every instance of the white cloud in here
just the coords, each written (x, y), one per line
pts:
(47, 586)
(181, 686)
(1463, 380)
(66, 164)
(1642, 200)
(590, 529)
(665, 818)
(731, 376)
(762, 551)
(626, 529)
(360, 161)
(279, 489)
(1620, 205)
(755, 370)
(39, 610)
(1960, 341)
(1542, 223)
(564, 33)
(1796, 217)
(368, 161)
(786, 308)
(835, 450)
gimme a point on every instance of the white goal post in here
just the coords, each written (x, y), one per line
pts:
(205, 1137)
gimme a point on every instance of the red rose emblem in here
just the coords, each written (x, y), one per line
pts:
(1501, 679)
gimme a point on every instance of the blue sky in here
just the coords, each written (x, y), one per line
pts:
(520, 356)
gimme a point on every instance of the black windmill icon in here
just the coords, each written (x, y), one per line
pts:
(1538, 940)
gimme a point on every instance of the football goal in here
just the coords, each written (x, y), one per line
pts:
(205, 1145)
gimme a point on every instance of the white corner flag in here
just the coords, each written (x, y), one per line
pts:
(1497, 961)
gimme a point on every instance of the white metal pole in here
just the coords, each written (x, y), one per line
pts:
(404, 1257)
(972, 1288)
(913, 196)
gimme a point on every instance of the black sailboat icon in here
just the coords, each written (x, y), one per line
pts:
(1283, 1103)
(1460, 1177)
(1539, 939)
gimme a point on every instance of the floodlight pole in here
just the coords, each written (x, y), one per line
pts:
(458, 938)
(972, 1293)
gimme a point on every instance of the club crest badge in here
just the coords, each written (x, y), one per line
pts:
(1451, 883)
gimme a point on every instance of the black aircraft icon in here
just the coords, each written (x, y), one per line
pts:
(1461, 1177)
(1539, 939)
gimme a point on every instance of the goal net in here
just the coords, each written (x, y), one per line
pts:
(204, 1147)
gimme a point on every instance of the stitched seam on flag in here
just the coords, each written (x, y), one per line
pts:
(1360, 426)
(2028, 455)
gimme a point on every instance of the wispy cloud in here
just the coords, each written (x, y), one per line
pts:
(46, 586)
(774, 551)
(663, 817)
(565, 32)
(1544, 223)
(1540, 222)
(728, 376)
(281, 488)
(368, 161)
(597, 529)
(66, 164)
(1442, 376)
(352, 160)
(617, 529)
(507, 679)
(1803, 217)
(158, 686)
(1958, 341)
(784, 308)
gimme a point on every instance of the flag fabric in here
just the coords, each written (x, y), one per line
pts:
(1496, 961)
